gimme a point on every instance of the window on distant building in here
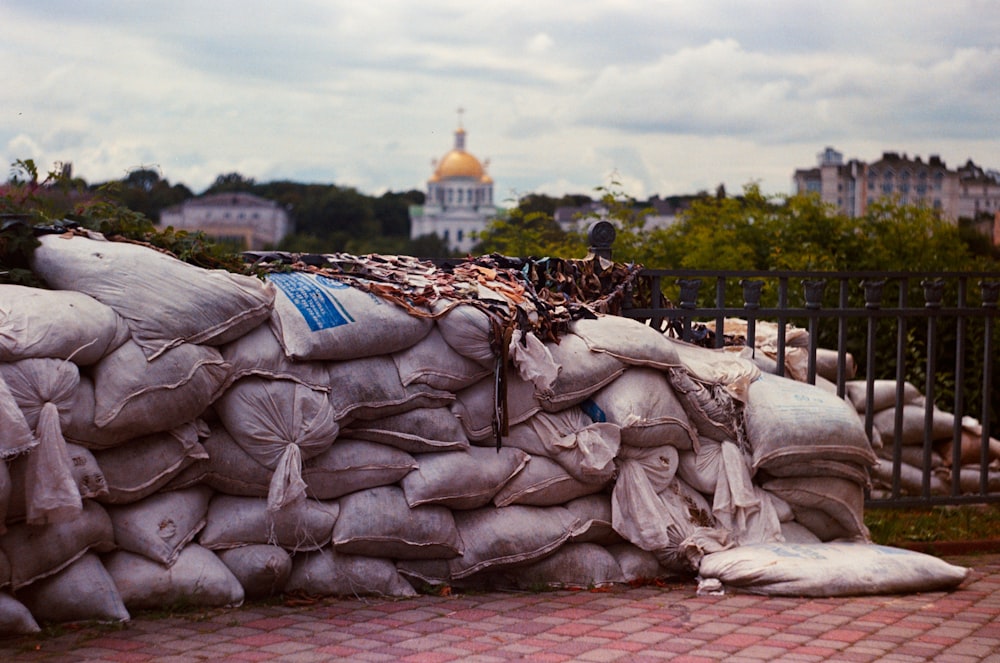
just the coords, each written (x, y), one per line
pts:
(458, 235)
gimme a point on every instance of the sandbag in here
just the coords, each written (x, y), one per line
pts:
(912, 433)
(829, 569)
(642, 403)
(379, 523)
(791, 423)
(499, 537)
(581, 373)
(83, 591)
(468, 330)
(433, 362)
(44, 391)
(352, 465)
(328, 572)
(159, 526)
(594, 514)
(164, 301)
(262, 569)
(320, 318)
(370, 388)
(628, 340)
(61, 324)
(226, 467)
(729, 368)
(883, 394)
(637, 565)
(15, 618)
(18, 437)
(197, 578)
(37, 551)
(831, 507)
(259, 353)
(475, 406)
(586, 450)
(712, 411)
(280, 423)
(573, 566)
(461, 480)
(543, 482)
(144, 465)
(232, 522)
(422, 430)
(135, 397)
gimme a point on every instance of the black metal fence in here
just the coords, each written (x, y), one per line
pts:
(937, 332)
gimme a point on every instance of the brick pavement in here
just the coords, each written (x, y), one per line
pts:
(625, 624)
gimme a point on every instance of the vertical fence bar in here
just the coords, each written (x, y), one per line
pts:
(782, 321)
(959, 405)
(814, 302)
(990, 295)
(873, 302)
(720, 303)
(842, 341)
(933, 291)
(751, 302)
(897, 425)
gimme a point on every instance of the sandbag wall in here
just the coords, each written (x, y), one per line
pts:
(175, 435)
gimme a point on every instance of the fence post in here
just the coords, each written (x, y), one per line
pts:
(601, 235)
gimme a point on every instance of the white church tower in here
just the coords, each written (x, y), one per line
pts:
(459, 198)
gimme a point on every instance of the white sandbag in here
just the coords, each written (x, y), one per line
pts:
(134, 397)
(586, 450)
(594, 514)
(232, 522)
(15, 618)
(911, 477)
(792, 423)
(144, 465)
(422, 430)
(61, 324)
(793, 532)
(159, 526)
(320, 318)
(475, 406)
(726, 368)
(259, 353)
(638, 566)
(628, 340)
(499, 537)
(710, 408)
(543, 482)
(280, 423)
(468, 330)
(262, 569)
(370, 388)
(330, 573)
(534, 361)
(435, 363)
(197, 578)
(832, 508)
(44, 390)
(912, 433)
(642, 403)
(461, 479)
(829, 569)
(83, 591)
(883, 394)
(80, 427)
(573, 566)
(17, 437)
(581, 373)
(225, 467)
(164, 301)
(37, 551)
(379, 523)
(351, 465)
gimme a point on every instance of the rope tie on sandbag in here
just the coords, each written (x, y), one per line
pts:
(500, 420)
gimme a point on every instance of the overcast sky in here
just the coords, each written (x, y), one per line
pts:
(667, 97)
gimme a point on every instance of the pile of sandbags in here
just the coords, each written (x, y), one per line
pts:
(174, 435)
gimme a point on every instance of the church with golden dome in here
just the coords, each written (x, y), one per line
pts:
(459, 199)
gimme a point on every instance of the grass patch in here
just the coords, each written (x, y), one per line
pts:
(934, 524)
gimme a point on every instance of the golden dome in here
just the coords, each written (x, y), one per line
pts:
(459, 163)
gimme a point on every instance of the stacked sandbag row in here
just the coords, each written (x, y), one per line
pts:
(199, 437)
(910, 409)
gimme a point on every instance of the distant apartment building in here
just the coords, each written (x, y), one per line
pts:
(969, 192)
(459, 200)
(242, 220)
